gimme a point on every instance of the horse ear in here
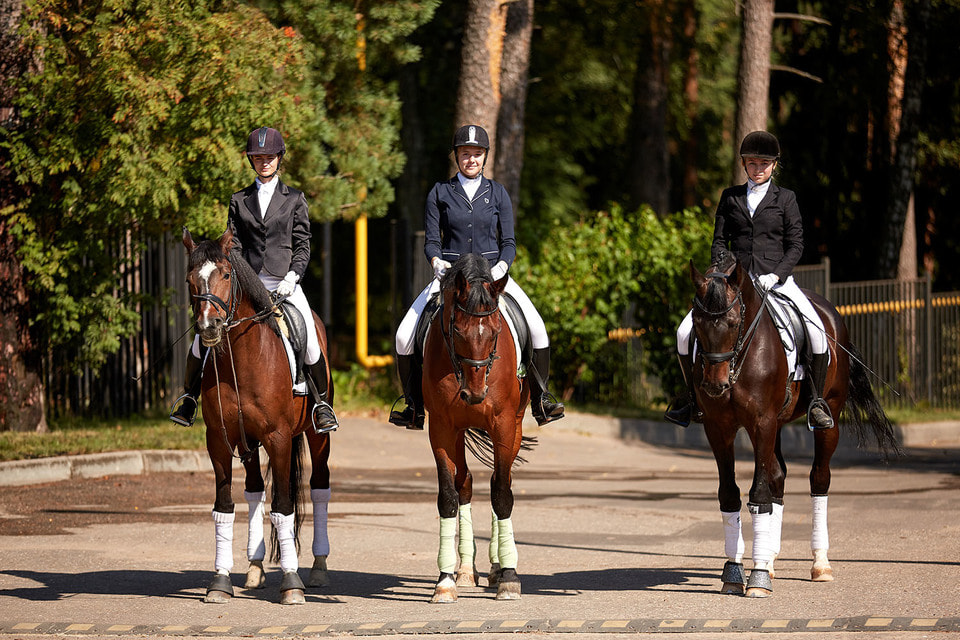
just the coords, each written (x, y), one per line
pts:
(695, 276)
(188, 240)
(498, 286)
(226, 241)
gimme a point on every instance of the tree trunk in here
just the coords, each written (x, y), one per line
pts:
(691, 85)
(649, 176)
(478, 95)
(21, 382)
(754, 74)
(902, 173)
(515, 70)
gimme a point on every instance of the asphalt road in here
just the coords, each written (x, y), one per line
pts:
(618, 538)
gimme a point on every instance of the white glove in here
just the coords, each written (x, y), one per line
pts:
(287, 285)
(440, 267)
(767, 281)
(499, 270)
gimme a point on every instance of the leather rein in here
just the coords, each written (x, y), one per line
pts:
(744, 338)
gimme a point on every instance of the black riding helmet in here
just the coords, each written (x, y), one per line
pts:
(760, 144)
(471, 135)
(265, 141)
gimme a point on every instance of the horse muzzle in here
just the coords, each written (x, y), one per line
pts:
(211, 331)
(472, 398)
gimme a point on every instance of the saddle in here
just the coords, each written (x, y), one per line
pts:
(792, 329)
(512, 313)
(294, 333)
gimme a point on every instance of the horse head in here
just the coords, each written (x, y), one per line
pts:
(212, 286)
(474, 323)
(718, 322)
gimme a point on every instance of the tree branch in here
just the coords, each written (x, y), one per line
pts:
(794, 70)
(801, 16)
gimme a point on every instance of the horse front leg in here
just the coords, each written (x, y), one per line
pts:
(825, 444)
(253, 493)
(320, 497)
(220, 589)
(444, 444)
(504, 559)
(728, 495)
(767, 484)
(466, 545)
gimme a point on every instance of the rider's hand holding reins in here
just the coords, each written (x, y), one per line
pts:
(287, 285)
(499, 270)
(767, 281)
(440, 267)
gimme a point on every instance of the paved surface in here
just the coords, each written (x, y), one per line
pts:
(618, 535)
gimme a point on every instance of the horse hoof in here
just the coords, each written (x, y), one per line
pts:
(467, 577)
(255, 575)
(759, 584)
(493, 578)
(445, 591)
(758, 592)
(821, 574)
(220, 589)
(217, 597)
(318, 573)
(732, 589)
(508, 587)
(292, 596)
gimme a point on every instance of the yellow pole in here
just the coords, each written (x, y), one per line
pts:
(369, 361)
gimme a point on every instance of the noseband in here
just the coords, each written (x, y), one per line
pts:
(744, 338)
(458, 360)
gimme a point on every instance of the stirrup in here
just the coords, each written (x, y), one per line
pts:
(539, 412)
(327, 423)
(819, 403)
(181, 413)
(408, 417)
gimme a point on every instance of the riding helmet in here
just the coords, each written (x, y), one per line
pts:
(760, 144)
(471, 135)
(265, 141)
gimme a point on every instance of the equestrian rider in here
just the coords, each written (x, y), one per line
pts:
(470, 214)
(271, 230)
(760, 223)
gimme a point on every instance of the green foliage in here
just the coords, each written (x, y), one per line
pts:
(613, 270)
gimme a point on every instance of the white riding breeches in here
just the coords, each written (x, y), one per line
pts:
(815, 331)
(299, 300)
(408, 326)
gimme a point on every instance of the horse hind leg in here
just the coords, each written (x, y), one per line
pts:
(319, 577)
(820, 542)
(256, 546)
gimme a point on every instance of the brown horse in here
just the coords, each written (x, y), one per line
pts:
(742, 379)
(248, 402)
(475, 399)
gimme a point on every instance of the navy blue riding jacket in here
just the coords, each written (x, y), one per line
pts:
(455, 225)
(771, 241)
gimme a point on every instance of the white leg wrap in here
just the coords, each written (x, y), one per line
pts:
(288, 546)
(820, 538)
(507, 547)
(776, 527)
(223, 523)
(447, 555)
(466, 546)
(733, 546)
(320, 499)
(256, 548)
(494, 539)
(762, 540)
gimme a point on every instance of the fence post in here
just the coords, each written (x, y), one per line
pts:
(928, 333)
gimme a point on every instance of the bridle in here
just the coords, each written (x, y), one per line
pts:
(744, 338)
(459, 360)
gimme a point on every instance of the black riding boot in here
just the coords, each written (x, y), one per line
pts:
(542, 403)
(323, 417)
(411, 377)
(184, 410)
(690, 411)
(818, 413)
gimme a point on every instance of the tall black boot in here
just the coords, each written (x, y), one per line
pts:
(412, 415)
(818, 413)
(184, 410)
(690, 411)
(323, 417)
(543, 405)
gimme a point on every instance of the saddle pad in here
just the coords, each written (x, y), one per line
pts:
(790, 326)
(299, 388)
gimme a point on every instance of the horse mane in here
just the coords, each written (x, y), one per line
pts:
(715, 297)
(249, 282)
(475, 270)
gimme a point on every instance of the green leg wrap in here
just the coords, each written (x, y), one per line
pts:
(507, 548)
(447, 556)
(494, 539)
(466, 546)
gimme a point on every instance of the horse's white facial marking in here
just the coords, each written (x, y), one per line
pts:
(204, 273)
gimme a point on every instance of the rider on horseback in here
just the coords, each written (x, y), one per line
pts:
(470, 214)
(760, 223)
(271, 229)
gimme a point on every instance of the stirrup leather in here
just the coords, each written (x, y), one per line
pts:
(182, 413)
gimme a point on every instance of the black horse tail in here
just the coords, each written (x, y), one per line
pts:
(863, 410)
(480, 445)
(296, 495)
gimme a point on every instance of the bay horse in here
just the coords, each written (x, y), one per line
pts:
(475, 400)
(742, 379)
(248, 402)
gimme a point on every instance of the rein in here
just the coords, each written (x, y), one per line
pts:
(456, 359)
(744, 339)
